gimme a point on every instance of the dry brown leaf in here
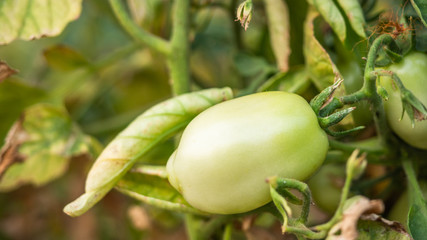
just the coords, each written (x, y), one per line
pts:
(347, 227)
(5, 71)
(139, 218)
(9, 153)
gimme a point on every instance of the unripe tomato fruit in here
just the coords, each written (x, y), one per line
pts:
(326, 187)
(412, 70)
(227, 152)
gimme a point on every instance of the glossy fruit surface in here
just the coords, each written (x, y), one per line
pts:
(412, 70)
(227, 152)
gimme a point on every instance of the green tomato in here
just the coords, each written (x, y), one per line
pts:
(400, 210)
(326, 186)
(227, 152)
(412, 70)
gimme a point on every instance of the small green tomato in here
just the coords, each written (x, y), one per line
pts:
(412, 71)
(227, 152)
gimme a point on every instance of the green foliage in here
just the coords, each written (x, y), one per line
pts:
(155, 191)
(421, 9)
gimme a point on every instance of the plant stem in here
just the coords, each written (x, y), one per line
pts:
(152, 41)
(214, 224)
(192, 224)
(338, 213)
(178, 60)
(370, 90)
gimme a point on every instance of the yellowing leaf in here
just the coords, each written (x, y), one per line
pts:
(146, 131)
(319, 65)
(332, 15)
(32, 19)
(39, 146)
(278, 26)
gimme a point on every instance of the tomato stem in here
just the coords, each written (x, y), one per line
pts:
(370, 90)
(178, 59)
(350, 171)
(176, 50)
(154, 42)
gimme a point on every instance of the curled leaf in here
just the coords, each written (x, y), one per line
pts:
(153, 126)
(355, 207)
(373, 226)
(332, 15)
(354, 13)
(421, 9)
(319, 65)
(278, 26)
(154, 191)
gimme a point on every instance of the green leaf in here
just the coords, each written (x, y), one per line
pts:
(64, 58)
(278, 26)
(332, 16)
(154, 191)
(32, 19)
(39, 147)
(420, 7)
(319, 65)
(417, 216)
(354, 14)
(296, 80)
(417, 220)
(251, 66)
(378, 229)
(19, 95)
(145, 132)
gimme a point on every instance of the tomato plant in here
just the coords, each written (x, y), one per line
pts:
(412, 71)
(227, 152)
(210, 124)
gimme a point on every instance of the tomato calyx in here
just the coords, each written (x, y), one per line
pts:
(410, 103)
(324, 105)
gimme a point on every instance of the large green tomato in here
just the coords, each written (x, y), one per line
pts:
(227, 152)
(412, 70)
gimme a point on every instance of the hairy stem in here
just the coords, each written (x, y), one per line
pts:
(370, 90)
(178, 60)
(338, 213)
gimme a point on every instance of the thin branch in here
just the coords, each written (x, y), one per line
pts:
(152, 41)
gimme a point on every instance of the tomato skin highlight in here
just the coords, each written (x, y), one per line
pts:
(227, 152)
(412, 71)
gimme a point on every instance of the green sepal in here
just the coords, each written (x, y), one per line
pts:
(323, 97)
(335, 118)
(412, 106)
(382, 92)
